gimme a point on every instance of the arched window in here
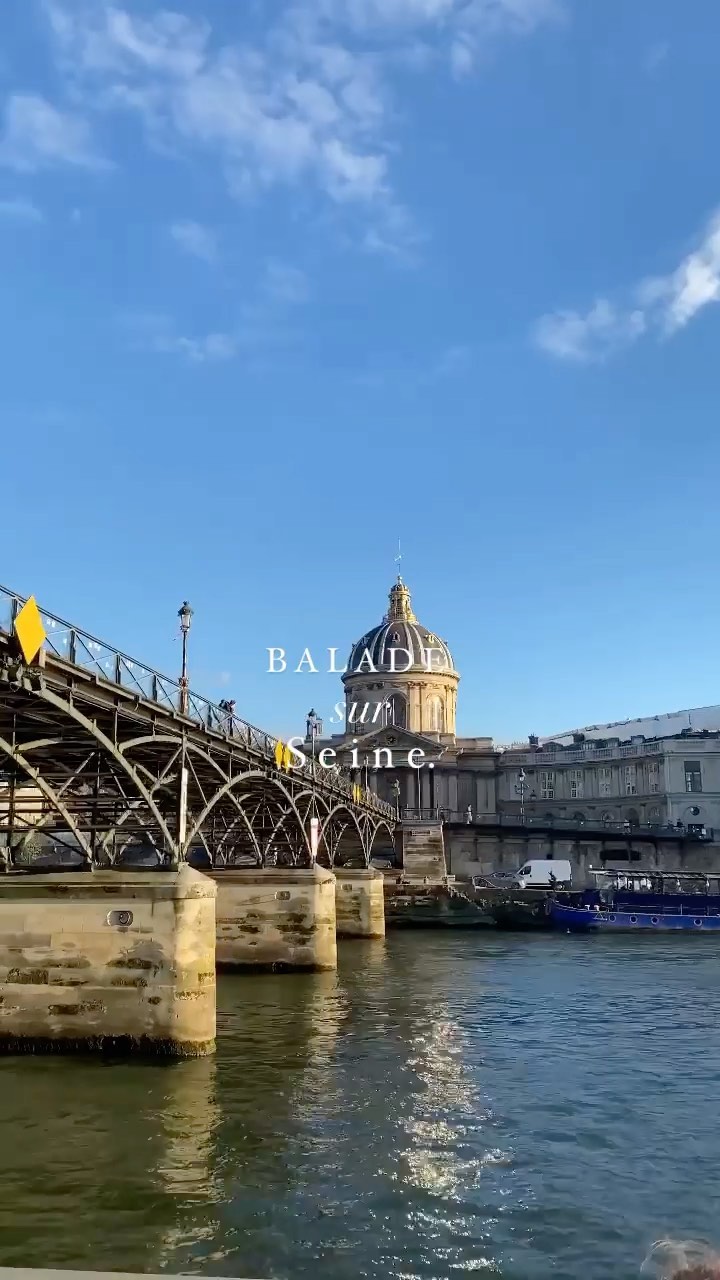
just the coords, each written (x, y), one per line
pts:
(395, 710)
(435, 715)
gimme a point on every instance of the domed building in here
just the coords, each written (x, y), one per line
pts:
(609, 794)
(402, 674)
(401, 701)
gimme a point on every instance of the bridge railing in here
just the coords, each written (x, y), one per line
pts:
(83, 650)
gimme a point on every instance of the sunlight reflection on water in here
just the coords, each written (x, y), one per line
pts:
(535, 1108)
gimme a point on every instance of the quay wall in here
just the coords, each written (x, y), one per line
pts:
(359, 903)
(472, 852)
(108, 960)
(277, 918)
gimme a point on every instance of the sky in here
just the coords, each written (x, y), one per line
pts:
(285, 283)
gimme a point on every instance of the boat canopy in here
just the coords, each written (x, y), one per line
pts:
(624, 878)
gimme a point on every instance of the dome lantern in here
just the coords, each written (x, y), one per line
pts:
(400, 603)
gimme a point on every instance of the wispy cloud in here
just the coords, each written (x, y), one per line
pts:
(594, 335)
(36, 135)
(309, 102)
(262, 324)
(210, 348)
(200, 242)
(661, 305)
(285, 283)
(656, 56)
(20, 210)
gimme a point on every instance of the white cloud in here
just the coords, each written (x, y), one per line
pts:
(307, 102)
(261, 323)
(196, 240)
(592, 336)
(677, 297)
(37, 135)
(270, 115)
(663, 304)
(20, 210)
(285, 284)
(210, 348)
(656, 56)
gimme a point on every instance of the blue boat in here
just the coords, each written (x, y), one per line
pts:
(648, 901)
(640, 919)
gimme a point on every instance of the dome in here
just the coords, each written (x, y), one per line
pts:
(398, 631)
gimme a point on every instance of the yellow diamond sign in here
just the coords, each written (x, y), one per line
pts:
(29, 630)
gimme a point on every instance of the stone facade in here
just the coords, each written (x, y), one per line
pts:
(108, 961)
(359, 903)
(279, 918)
(594, 788)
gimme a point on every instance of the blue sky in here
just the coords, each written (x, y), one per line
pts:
(285, 282)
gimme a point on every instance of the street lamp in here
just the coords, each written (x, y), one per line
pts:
(520, 789)
(185, 614)
(313, 727)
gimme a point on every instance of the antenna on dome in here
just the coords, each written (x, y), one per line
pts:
(398, 559)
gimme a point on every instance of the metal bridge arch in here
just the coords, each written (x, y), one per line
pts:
(115, 754)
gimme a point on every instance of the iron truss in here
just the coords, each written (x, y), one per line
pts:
(96, 757)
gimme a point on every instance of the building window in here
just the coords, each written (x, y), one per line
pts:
(396, 710)
(653, 777)
(630, 780)
(605, 781)
(547, 786)
(693, 775)
(436, 715)
(577, 784)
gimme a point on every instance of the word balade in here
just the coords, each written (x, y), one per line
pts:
(277, 661)
(291, 757)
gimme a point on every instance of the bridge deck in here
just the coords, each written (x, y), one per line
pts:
(96, 748)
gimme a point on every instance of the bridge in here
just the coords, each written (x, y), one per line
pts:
(115, 764)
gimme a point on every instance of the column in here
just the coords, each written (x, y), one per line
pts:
(453, 792)
(410, 801)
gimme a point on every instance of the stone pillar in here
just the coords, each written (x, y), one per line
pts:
(410, 793)
(359, 903)
(117, 961)
(281, 918)
(453, 792)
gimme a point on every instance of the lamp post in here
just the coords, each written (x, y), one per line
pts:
(395, 790)
(520, 789)
(185, 614)
(313, 728)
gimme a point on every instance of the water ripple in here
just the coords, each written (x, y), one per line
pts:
(537, 1108)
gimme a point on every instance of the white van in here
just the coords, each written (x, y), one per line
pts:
(543, 873)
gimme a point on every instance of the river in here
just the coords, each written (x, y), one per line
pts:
(534, 1107)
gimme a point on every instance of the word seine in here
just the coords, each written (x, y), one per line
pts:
(326, 757)
(277, 661)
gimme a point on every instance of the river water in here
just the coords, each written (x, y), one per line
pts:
(528, 1106)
